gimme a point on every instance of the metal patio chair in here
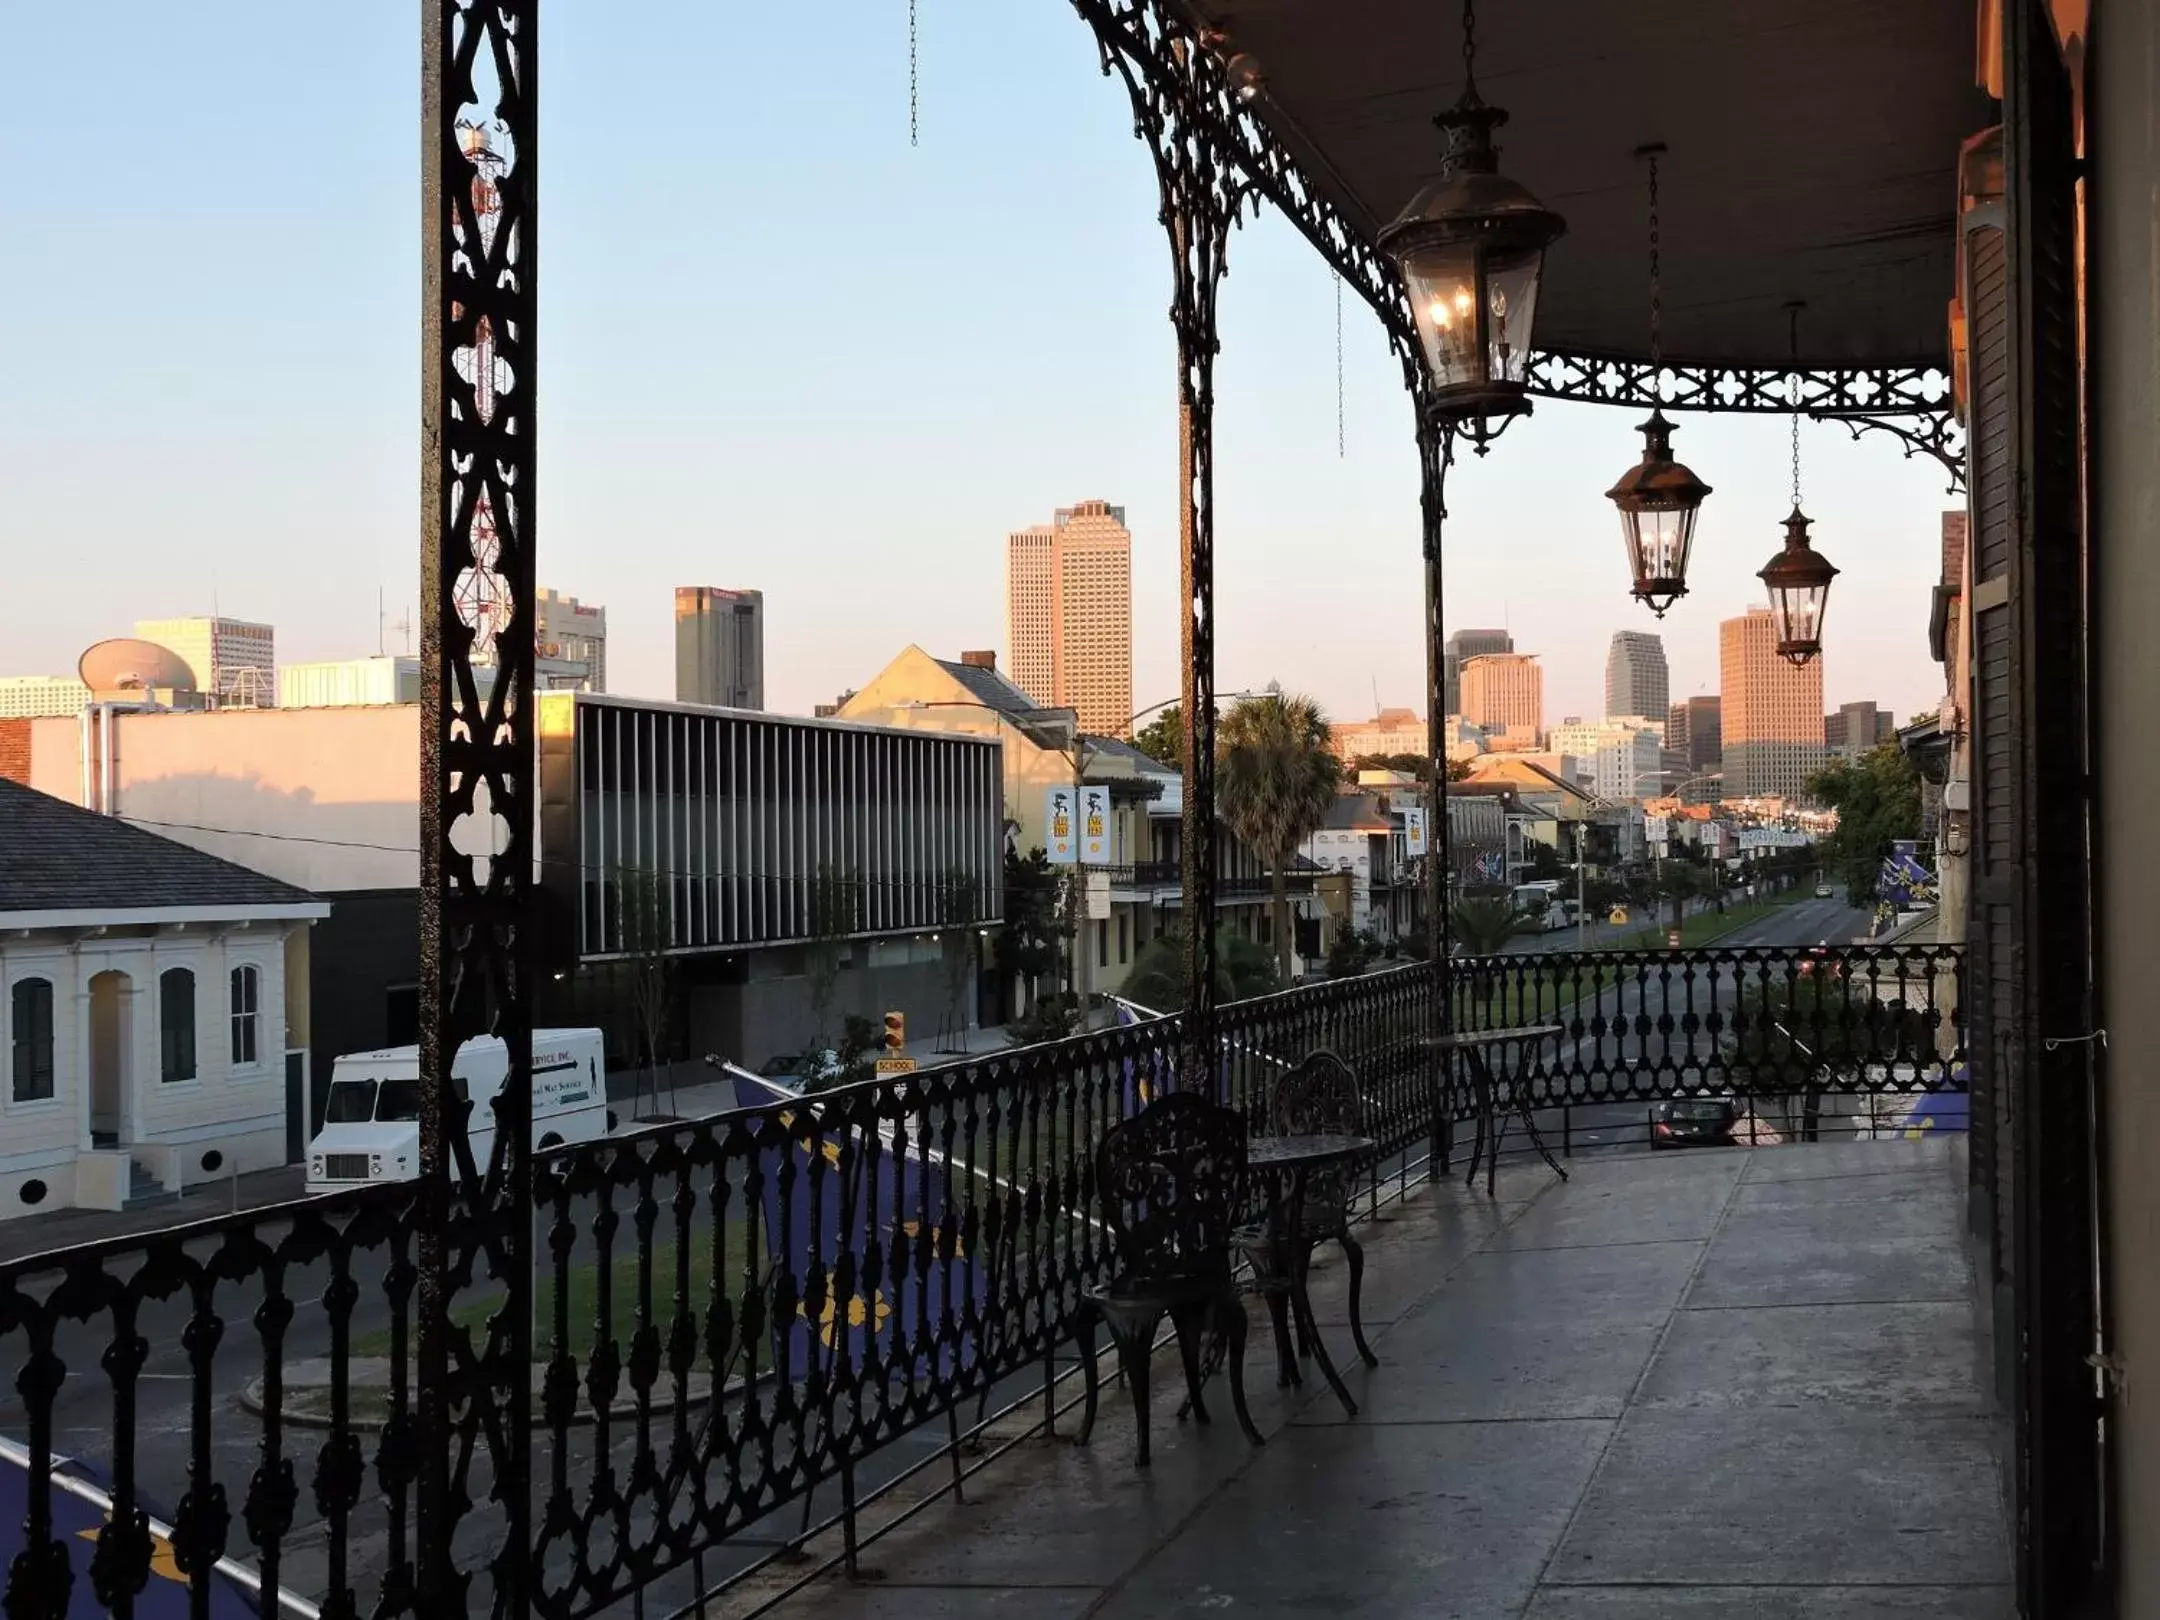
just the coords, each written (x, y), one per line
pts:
(1172, 1180)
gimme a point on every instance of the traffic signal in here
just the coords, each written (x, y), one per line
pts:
(896, 1032)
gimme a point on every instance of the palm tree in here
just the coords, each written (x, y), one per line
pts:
(1483, 927)
(1277, 779)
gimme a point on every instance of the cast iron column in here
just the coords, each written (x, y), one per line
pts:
(1201, 195)
(1436, 448)
(478, 139)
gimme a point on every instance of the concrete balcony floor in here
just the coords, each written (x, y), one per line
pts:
(1713, 1383)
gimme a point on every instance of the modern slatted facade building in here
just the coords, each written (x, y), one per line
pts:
(736, 816)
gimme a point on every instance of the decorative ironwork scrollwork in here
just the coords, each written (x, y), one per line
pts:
(1176, 85)
(479, 131)
(1224, 109)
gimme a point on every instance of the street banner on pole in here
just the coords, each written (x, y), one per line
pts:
(1095, 826)
(1061, 828)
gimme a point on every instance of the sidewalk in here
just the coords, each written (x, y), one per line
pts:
(35, 1234)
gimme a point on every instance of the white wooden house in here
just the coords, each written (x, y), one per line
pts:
(149, 996)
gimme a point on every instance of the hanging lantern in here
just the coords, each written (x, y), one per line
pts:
(1658, 500)
(1799, 576)
(1471, 247)
(1799, 579)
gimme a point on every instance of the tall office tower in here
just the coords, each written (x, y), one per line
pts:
(719, 647)
(1504, 692)
(571, 649)
(1692, 730)
(1636, 679)
(1770, 711)
(1464, 644)
(233, 660)
(1854, 728)
(1068, 614)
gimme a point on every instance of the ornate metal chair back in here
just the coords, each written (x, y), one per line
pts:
(1173, 1181)
(1320, 1097)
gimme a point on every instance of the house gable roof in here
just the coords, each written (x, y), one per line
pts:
(61, 859)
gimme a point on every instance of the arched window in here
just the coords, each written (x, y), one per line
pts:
(176, 1024)
(246, 1010)
(30, 1040)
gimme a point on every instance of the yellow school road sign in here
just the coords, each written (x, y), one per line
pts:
(899, 1065)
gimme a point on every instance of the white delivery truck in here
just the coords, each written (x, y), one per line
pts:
(371, 1123)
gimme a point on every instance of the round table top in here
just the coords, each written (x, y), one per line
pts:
(1289, 1152)
(1491, 1037)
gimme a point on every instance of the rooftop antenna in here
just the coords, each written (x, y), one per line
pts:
(1376, 696)
(378, 622)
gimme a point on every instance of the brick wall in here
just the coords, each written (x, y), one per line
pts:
(15, 751)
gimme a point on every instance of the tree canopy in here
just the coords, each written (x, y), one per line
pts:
(1276, 779)
(1243, 969)
(1163, 738)
(1877, 800)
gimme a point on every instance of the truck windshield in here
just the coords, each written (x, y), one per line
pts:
(400, 1100)
(351, 1102)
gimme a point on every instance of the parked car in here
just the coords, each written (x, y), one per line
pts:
(1823, 892)
(1819, 957)
(1693, 1122)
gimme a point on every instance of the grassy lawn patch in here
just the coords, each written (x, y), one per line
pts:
(1707, 927)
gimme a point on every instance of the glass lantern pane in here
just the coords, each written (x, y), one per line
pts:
(1800, 612)
(1665, 538)
(1511, 284)
(1443, 298)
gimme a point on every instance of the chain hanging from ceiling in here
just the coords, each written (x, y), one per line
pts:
(1910, 399)
(1338, 368)
(914, 77)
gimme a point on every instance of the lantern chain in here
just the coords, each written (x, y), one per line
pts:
(1792, 347)
(1338, 368)
(914, 124)
(1657, 292)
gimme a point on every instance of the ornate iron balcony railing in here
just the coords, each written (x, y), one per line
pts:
(737, 1312)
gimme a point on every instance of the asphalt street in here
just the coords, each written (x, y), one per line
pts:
(1627, 1042)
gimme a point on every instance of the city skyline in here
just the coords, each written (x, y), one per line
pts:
(722, 446)
(1638, 680)
(1068, 614)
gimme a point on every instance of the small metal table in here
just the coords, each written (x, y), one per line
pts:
(1291, 1159)
(1476, 1045)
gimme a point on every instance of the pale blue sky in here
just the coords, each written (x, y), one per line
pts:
(778, 348)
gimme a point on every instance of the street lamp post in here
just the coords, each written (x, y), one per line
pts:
(1058, 731)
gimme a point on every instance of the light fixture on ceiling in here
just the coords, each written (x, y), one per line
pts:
(1799, 576)
(1658, 497)
(1471, 247)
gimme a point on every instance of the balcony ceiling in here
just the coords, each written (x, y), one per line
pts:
(1811, 153)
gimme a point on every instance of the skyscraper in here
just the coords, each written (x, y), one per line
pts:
(719, 647)
(1461, 645)
(1771, 711)
(234, 660)
(1693, 730)
(570, 651)
(1636, 679)
(1504, 691)
(1856, 727)
(1068, 614)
